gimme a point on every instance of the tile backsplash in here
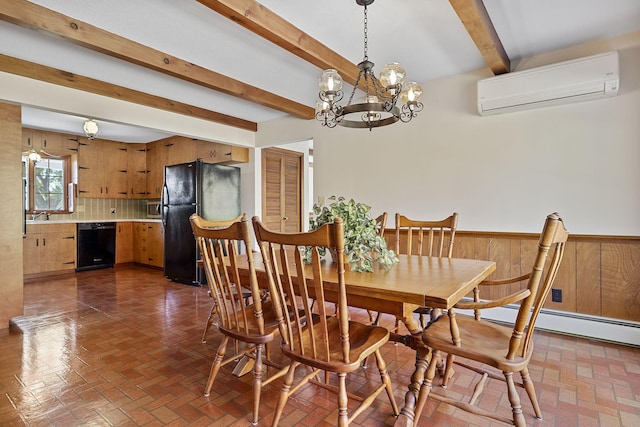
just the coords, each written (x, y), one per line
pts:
(105, 209)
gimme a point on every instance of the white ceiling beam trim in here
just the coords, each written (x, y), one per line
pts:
(29, 15)
(48, 96)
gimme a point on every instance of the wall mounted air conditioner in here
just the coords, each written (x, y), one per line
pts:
(583, 79)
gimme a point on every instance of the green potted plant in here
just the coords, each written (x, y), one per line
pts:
(363, 245)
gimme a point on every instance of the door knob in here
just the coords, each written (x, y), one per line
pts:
(285, 218)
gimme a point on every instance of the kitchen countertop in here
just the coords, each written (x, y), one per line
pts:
(84, 221)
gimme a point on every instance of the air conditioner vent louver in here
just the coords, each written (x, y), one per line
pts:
(583, 79)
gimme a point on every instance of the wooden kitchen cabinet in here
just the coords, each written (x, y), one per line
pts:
(54, 143)
(137, 171)
(214, 152)
(155, 236)
(210, 152)
(124, 242)
(167, 151)
(155, 156)
(31, 138)
(179, 150)
(102, 169)
(49, 249)
(115, 173)
(90, 169)
(149, 243)
(231, 154)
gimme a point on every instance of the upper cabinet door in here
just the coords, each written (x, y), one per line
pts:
(137, 171)
(90, 169)
(115, 179)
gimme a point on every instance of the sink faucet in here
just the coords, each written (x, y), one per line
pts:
(35, 215)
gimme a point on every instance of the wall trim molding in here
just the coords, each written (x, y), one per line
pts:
(572, 237)
(581, 325)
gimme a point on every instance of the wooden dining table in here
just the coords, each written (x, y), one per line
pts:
(413, 282)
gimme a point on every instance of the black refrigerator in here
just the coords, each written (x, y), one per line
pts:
(210, 190)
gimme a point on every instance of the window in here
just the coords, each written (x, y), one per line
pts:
(47, 184)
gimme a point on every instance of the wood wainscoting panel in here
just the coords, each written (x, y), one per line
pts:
(621, 280)
(599, 275)
(500, 251)
(463, 247)
(588, 273)
(566, 281)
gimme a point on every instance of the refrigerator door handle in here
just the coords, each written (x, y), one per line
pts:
(164, 203)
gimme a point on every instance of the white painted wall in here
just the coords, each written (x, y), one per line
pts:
(500, 173)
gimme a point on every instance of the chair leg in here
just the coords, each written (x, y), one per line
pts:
(448, 370)
(386, 380)
(209, 323)
(516, 407)
(531, 392)
(427, 384)
(217, 362)
(284, 393)
(397, 331)
(257, 382)
(343, 400)
(371, 318)
(376, 322)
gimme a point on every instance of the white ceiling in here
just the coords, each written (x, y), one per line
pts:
(425, 36)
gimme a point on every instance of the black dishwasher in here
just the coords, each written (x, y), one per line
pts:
(96, 245)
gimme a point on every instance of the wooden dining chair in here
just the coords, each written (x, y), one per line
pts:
(318, 340)
(255, 324)
(425, 238)
(381, 224)
(487, 344)
(247, 294)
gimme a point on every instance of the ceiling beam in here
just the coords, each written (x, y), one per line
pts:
(263, 22)
(58, 77)
(32, 16)
(476, 20)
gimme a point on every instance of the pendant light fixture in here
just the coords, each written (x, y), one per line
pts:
(381, 94)
(33, 156)
(90, 128)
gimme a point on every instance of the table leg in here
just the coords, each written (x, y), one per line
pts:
(407, 413)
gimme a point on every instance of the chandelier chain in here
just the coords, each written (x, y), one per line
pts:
(366, 34)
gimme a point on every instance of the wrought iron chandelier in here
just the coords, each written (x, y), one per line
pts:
(381, 94)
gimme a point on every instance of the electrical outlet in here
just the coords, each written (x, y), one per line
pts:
(556, 295)
(113, 210)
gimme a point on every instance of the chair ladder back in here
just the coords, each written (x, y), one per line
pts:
(317, 285)
(553, 237)
(439, 236)
(219, 249)
(225, 289)
(296, 284)
(284, 314)
(307, 288)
